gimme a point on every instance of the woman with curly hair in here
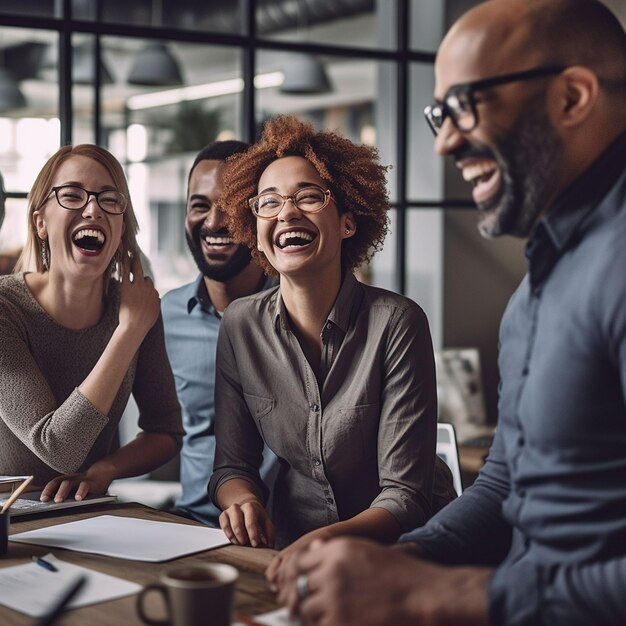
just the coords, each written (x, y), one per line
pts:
(336, 377)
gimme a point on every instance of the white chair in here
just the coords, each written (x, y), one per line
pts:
(449, 453)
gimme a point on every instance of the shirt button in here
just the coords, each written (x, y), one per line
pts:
(329, 500)
(316, 462)
(525, 372)
(315, 408)
(329, 326)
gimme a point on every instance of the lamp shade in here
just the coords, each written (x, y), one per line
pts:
(10, 95)
(304, 74)
(154, 66)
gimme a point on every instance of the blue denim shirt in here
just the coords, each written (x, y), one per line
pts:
(191, 328)
(549, 507)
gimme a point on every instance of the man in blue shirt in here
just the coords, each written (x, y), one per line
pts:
(192, 314)
(531, 104)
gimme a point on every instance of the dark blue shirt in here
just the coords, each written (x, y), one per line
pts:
(549, 507)
(191, 327)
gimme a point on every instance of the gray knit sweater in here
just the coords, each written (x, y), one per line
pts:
(47, 426)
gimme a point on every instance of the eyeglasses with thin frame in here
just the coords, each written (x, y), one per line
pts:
(459, 103)
(75, 198)
(310, 199)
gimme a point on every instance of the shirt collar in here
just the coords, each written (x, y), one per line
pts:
(566, 218)
(340, 313)
(200, 296)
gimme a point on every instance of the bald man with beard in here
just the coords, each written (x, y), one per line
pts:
(530, 102)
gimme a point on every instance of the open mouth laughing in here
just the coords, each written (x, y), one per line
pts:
(294, 239)
(89, 241)
(484, 175)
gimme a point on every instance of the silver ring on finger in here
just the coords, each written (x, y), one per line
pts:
(302, 586)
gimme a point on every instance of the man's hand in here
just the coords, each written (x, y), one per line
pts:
(279, 568)
(354, 582)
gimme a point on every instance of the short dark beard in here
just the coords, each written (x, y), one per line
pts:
(529, 157)
(221, 273)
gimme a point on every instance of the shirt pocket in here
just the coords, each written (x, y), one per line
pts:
(352, 433)
(258, 406)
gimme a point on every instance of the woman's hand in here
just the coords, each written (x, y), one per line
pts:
(278, 570)
(248, 523)
(139, 300)
(94, 481)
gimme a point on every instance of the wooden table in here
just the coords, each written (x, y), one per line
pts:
(252, 596)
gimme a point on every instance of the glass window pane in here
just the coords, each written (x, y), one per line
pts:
(424, 265)
(218, 16)
(425, 167)
(427, 24)
(156, 131)
(29, 123)
(369, 23)
(381, 271)
(38, 8)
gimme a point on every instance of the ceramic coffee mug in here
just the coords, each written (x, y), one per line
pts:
(194, 595)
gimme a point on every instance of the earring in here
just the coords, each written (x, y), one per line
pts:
(45, 256)
(114, 264)
(347, 231)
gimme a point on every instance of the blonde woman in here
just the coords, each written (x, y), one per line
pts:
(79, 334)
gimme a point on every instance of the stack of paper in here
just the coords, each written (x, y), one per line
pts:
(32, 589)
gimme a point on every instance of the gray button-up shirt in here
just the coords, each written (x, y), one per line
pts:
(555, 479)
(365, 439)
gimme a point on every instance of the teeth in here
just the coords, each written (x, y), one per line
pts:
(218, 241)
(88, 232)
(293, 234)
(477, 170)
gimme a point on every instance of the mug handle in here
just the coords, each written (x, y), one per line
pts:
(140, 608)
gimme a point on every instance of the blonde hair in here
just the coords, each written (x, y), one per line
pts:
(30, 258)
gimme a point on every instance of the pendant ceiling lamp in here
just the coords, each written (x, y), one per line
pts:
(155, 66)
(304, 74)
(11, 96)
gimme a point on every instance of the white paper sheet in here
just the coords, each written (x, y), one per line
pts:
(33, 590)
(126, 538)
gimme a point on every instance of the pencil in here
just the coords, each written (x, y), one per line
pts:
(62, 602)
(14, 496)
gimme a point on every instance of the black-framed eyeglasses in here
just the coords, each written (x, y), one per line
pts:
(459, 103)
(74, 198)
(308, 200)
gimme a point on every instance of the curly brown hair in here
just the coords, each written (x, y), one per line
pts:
(353, 173)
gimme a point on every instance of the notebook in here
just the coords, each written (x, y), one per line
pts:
(29, 504)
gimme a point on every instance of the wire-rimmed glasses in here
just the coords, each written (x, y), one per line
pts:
(75, 198)
(459, 103)
(310, 199)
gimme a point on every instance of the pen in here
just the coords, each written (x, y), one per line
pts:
(45, 564)
(62, 602)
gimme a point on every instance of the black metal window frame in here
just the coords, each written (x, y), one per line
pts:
(249, 42)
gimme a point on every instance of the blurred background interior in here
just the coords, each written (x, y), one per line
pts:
(156, 80)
